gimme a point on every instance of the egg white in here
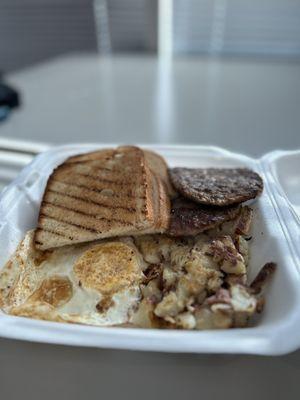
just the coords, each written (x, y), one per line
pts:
(22, 276)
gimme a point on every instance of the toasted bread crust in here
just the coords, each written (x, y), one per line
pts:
(160, 168)
(164, 207)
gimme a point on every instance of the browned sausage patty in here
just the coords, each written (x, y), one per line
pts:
(216, 187)
(189, 218)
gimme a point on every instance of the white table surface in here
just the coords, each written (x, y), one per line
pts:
(247, 106)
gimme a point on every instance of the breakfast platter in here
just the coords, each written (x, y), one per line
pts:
(156, 248)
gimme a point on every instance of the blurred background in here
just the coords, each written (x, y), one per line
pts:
(221, 72)
(33, 31)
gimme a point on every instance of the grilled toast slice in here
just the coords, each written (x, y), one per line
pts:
(111, 192)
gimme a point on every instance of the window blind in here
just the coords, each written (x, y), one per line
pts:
(240, 27)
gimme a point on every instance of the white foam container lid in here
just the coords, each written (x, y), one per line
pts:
(276, 237)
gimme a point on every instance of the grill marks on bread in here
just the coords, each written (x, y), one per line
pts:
(96, 210)
(101, 194)
(92, 195)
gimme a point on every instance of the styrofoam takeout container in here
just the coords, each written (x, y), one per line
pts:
(276, 237)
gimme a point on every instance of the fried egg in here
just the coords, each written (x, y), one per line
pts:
(96, 283)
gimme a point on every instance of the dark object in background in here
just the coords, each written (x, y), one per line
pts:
(9, 99)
